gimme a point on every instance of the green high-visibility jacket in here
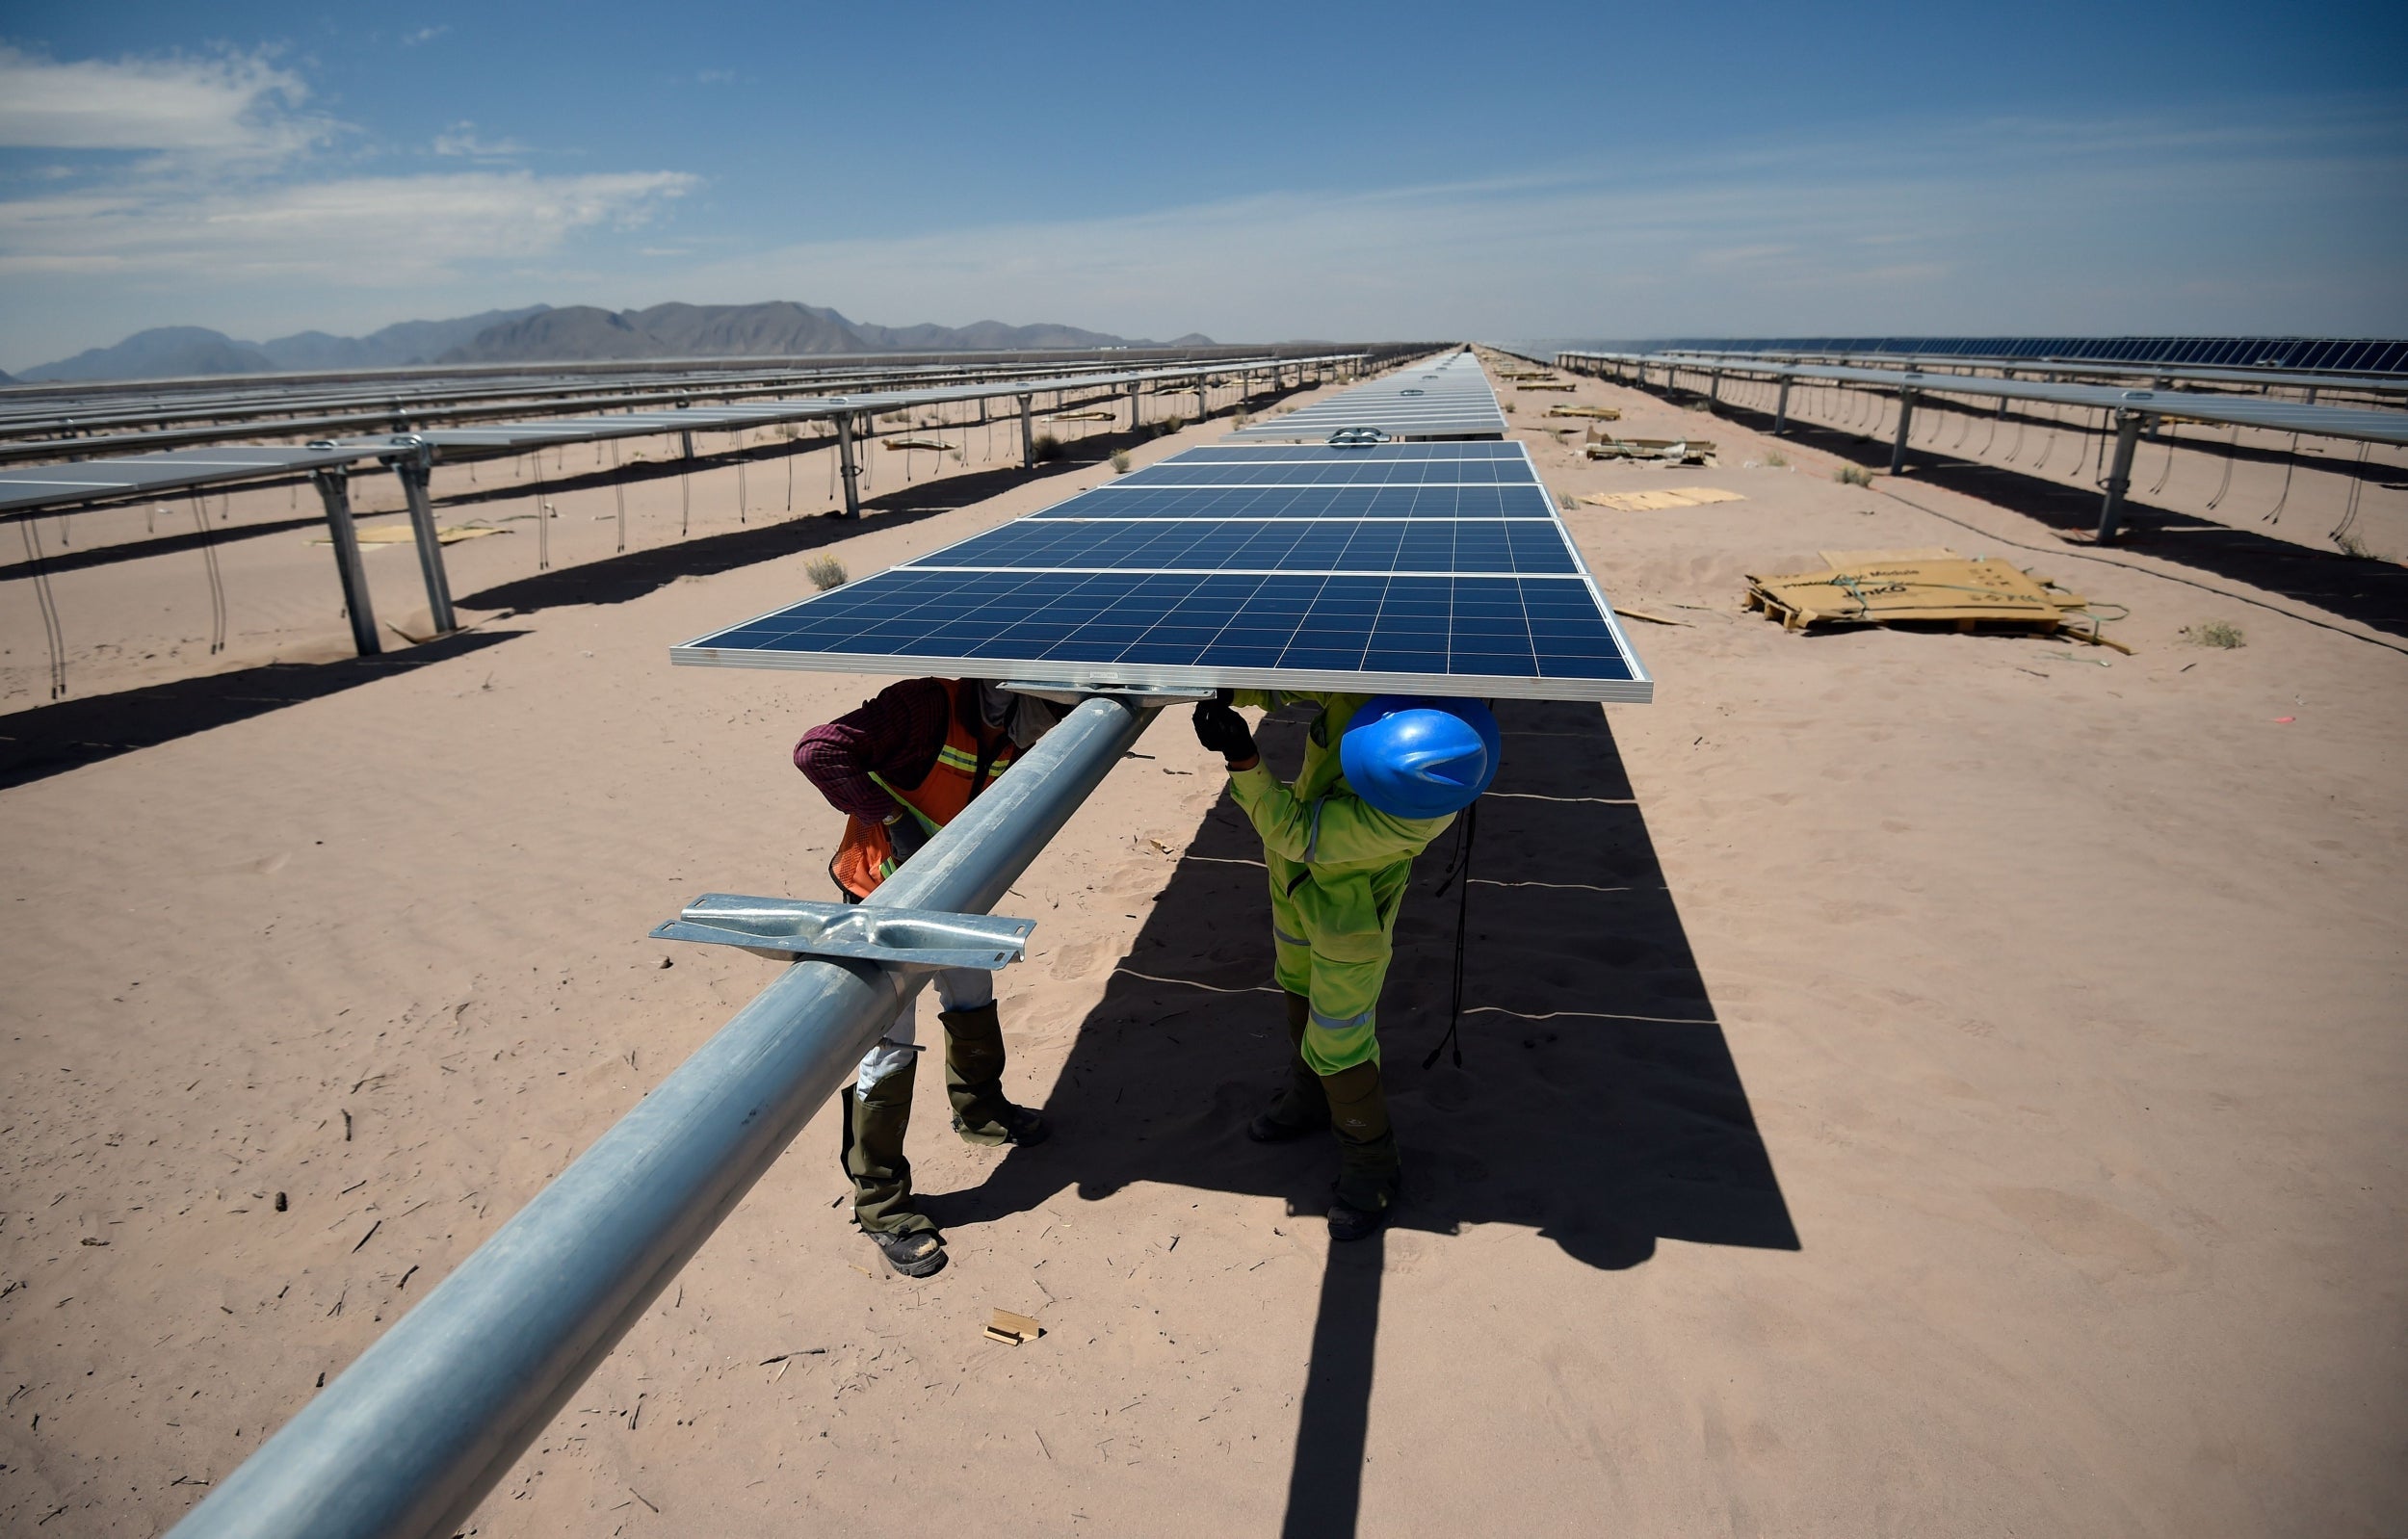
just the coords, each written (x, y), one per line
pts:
(1338, 868)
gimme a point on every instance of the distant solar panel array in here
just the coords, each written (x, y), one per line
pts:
(1415, 567)
(1447, 398)
(53, 485)
(2322, 354)
(2269, 413)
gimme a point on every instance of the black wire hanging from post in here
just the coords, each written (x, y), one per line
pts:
(2170, 435)
(48, 603)
(2231, 451)
(2340, 535)
(217, 579)
(1460, 868)
(2291, 464)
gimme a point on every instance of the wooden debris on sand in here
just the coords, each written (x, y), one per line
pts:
(1544, 384)
(1605, 444)
(917, 443)
(1084, 416)
(1625, 612)
(1928, 585)
(1600, 413)
(1632, 502)
(1012, 1330)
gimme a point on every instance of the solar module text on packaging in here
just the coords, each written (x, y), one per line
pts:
(1439, 568)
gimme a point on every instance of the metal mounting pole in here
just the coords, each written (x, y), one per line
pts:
(844, 451)
(1781, 410)
(2119, 475)
(413, 1434)
(1134, 421)
(335, 489)
(1905, 415)
(1028, 437)
(686, 439)
(414, 471)
(1714, 390)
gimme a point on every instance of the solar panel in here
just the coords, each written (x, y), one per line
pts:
(1364, 568)
(154, 475)
(1450, 398)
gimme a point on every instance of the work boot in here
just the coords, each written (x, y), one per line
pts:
(1301, 1107)
(974, 1081)
(1368, 1167)
(874, 1123)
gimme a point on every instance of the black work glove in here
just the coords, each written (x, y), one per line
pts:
(1222, 731)
(907, 834)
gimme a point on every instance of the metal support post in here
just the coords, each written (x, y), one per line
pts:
(414, 1433)
(1028, 437)
(1781, 410)
(1135, 420)
(335, 489)
(2119, 475)
(1714, 390)
(685, 437)
(852, 471)
(1905, 415)
(415, 471)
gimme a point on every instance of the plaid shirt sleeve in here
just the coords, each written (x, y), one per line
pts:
(896, 734)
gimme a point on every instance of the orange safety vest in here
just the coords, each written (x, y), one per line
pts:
(866, 857)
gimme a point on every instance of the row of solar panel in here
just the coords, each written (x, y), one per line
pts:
(1307, 502)
(1357, 568)
(2339, 354)
(1343, 472)
(1450, 398)
(1244, 454)
(1480, 627)
(1454, 546)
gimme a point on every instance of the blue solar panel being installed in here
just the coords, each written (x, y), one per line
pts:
(1388, 567)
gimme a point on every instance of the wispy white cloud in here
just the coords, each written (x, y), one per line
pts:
(421, 34)
(357, 231)
(225, 105)
(230, 180)
(460, 138)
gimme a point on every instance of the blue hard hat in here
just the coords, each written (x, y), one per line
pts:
(1416, 756)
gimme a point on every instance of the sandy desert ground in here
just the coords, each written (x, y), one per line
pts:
(1912, 1083)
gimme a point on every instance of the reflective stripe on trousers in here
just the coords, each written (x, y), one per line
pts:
(1341, 1030)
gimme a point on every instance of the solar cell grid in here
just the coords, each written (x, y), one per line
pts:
(1320, 453)
(1339, 585)
(1453, 546)
(1341, 472)
(1338, 501)
(1448, 398)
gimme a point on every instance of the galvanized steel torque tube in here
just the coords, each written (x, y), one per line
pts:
(410, 1439)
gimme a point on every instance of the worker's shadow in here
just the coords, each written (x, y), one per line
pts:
(1597, 1102)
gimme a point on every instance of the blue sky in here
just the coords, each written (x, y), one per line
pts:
(1252, 172)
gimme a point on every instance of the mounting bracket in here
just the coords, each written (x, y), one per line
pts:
(784, 928)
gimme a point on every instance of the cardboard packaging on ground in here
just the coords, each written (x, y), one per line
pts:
(1929, 586)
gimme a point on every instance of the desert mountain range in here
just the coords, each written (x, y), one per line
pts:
(542, 334)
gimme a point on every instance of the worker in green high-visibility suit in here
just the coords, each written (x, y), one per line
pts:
(1382, 778)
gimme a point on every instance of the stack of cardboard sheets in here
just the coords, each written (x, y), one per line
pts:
(1930, 586)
